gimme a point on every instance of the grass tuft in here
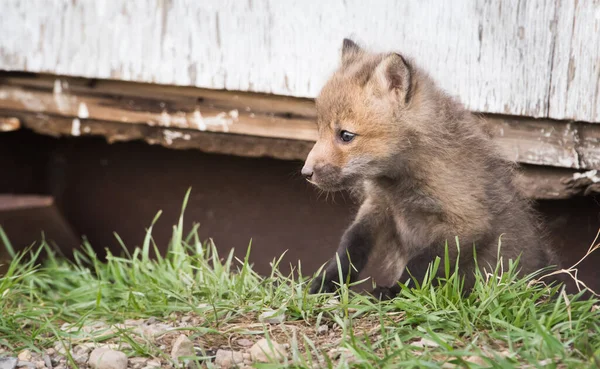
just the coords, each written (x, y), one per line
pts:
(507, 322)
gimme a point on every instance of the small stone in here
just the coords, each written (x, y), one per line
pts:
(137, 362)
(272, 317)
(24, 355)
(8, 362)
(59, 347)
(84, 348)
(25, 364)
(263, 351)
(247, 356)
(57, 359)
(47, 361)
(183, 347)
(152, 331)
(40, 364)
(244, 342)
(226, 359)
(322, 329)
(80, 358)
(152, 364)
(105, 358)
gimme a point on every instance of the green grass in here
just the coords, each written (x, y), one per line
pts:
(506, 322)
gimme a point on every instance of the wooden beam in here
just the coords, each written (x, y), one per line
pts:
(249, 124)
(174, 138)
(537, 182)
(532, 141)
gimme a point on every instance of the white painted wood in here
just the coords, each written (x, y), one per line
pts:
(497, 56)
(576, 64)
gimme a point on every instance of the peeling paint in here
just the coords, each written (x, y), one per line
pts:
(513, 80)
(83, 112)
(57, 87)
(75, 127)
(590, 174)
(198, 121)
(28, 100)
(165, 119)
(170, 135)
(63, 102)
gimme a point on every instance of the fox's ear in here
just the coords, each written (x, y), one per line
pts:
(393, 74)
(349, 50)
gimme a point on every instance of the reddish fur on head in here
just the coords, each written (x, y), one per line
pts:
(370, 97)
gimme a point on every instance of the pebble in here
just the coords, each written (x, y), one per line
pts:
(244, 342)
(24, 355)
(84, 348)
(183, 347)
(272, 317)
(25, 364)
(105, 358)
(152, 331)
(47, 361)
(137, 362)
(322, 329)
(226, 359)
(151, 364)
(60, 348)
(264, 351)
(8, 362)
(40, 364)
(80, 358)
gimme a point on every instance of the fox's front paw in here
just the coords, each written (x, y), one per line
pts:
(322, 285)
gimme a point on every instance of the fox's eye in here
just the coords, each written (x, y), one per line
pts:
(347, 136)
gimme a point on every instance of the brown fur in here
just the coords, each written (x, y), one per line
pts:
(426, 170)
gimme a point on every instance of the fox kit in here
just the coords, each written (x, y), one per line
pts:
(425, 169)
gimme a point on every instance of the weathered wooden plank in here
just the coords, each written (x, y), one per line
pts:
(537, 182)
(575, 89)
(541, 142)
(547, 183)
(497, 56)
(165, 111)
(174, 138)
(531, 141)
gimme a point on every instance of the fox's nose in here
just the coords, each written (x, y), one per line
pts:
(307, 172)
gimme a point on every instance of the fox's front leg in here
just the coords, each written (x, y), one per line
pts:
(353, 253)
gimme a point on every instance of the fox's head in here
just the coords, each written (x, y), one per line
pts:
(362, 116)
